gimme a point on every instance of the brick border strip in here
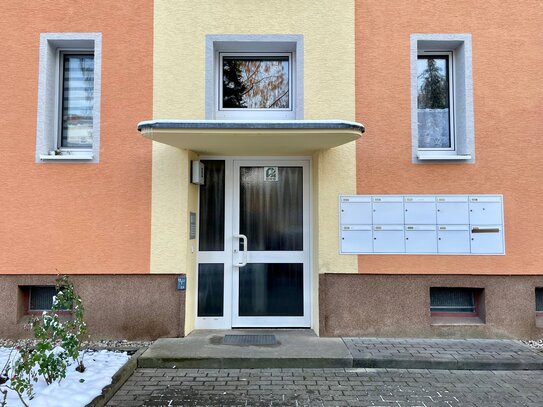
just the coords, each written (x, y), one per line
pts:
(118, 379)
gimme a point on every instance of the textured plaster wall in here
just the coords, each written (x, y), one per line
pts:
(116, 306)
(179, 92)
(507, 52)
(76, 218)
(399, 305)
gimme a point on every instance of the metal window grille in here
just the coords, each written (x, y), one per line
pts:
(539, 299)
(443, 299)
(41, 298)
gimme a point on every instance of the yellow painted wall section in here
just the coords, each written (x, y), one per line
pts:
(180, 30)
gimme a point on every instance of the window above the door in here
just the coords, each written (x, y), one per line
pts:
(441, 98)
(254, 77)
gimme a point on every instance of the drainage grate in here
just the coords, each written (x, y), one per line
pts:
(250, 340)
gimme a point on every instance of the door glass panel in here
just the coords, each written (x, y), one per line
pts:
(271, 290)
(210, 290)
(212, 207)
(271, 208)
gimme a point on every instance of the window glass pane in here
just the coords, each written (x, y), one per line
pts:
(210, 290)
(433, 102)
(539, 299)
(271, 290)
(77, 100)
(271, 211)
(452, 300)
(212, 207)
(255, 82)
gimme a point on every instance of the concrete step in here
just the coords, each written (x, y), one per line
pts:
(205, 349)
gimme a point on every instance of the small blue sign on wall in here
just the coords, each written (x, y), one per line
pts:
(182, 282)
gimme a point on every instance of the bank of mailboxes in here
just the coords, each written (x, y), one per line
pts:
(421, 224)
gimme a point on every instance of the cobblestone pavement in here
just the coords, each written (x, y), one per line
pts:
(331, 387)
(443, 353)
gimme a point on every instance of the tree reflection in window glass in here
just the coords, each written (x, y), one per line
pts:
(433, 102)
(255, 82)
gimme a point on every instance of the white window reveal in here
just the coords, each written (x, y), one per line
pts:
(421, 224)
(442, 98)
(68, 128)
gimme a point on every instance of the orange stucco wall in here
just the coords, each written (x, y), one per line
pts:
(76, 218)
(508, 101)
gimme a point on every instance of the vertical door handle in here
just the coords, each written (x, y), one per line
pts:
(242, 263)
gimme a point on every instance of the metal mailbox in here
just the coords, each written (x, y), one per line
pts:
(388, 239)
(355, 210)
(420, 239)
(420, 210)
(485, 210)
(357, 239)
(388, 210)
(486, 239)
(421, 224)
(452, 210)
(453, 239)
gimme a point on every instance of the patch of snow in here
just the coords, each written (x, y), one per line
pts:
(535, 344)
(71, 391)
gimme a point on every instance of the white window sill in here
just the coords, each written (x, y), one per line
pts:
(455, 321)
(442, 157)
(64, 157)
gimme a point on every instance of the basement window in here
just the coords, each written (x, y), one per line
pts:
(455, 305)
(38, 298)
(539, 307)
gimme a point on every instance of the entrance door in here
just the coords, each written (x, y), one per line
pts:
(254, 245)
(270, 255)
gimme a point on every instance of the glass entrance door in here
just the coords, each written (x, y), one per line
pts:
(270, 244)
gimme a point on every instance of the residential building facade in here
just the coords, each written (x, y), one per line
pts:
(352, 167)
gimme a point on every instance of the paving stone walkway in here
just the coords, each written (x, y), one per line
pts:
(331, 387)
(472, 354)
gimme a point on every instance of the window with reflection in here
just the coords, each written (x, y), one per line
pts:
(434, 105)
(255, 81)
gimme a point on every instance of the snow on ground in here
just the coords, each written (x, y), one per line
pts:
(536, 344)
(71, 391)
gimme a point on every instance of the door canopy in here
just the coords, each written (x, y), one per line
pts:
(270, 137)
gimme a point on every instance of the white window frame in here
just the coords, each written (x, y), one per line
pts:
(254, 44)
(282, 113)
(452, 125)
(59, 97)
(48, 134)
(461, 100)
